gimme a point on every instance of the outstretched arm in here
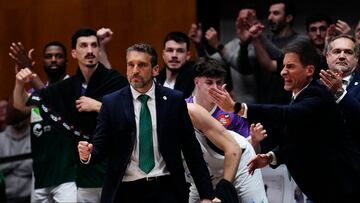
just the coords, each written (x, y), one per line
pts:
(23, 59)
(20, 56)
(20, 96)
(259, 161)
(105, 36)
(219, 136)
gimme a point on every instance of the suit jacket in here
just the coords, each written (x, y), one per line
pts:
(116, 134)
(314, 146)
(350, 106)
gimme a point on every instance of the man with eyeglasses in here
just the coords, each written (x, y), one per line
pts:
(343, 77)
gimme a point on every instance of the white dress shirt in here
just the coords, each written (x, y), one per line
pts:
(133, 172)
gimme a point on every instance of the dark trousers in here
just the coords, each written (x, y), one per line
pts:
(159, 190)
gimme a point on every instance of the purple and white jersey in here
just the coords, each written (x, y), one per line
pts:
(230, 121)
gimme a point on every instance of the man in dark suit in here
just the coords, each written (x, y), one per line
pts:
(119, 136)
(315, 147)
(343, 78)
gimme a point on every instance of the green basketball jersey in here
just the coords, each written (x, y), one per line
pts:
(54, 153)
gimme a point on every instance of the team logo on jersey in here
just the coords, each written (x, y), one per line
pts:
(35, 115)
(37, 130)
(224, 119)
(47, 128)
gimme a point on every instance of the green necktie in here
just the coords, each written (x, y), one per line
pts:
(146, 152)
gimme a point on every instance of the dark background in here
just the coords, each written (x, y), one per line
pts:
(222, 14)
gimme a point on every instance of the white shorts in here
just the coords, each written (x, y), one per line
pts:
(65, 192)
(88, 195)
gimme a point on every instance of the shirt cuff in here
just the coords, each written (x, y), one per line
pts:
(86, 162)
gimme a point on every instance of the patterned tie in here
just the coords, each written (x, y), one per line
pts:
(146, 152)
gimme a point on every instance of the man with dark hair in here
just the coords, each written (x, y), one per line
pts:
(55, 59)
(306, 141)
(242, 85)
(211, 73)
(72, 105)
(54, 158)
(144, 129)
(178, 72)
(316, 28)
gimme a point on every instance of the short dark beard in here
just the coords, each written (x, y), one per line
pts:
(55, 75)
(91, 65)
(174, 70)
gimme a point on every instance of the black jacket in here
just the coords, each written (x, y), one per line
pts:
(184, 80)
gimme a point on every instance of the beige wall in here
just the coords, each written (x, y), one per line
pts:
(36, 22)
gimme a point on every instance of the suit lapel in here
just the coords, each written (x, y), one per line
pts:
(128, 107)
(355, 81)
(354, 86)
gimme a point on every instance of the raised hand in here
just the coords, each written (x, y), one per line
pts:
(25, 76)
(104, 35)
(342, 27)
(222, 98)
(332, 80)
(256, 30)
(212, 38)
(330, 33)
(22, 58)
(257, 132)
(85, 150)
(259, 161)
(243, 23)
(195, 33)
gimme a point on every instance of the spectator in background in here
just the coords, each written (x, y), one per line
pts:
(242, 85)
(178, 72)
(3, 107)
(357, 32)
(316, 28)
(15, 140)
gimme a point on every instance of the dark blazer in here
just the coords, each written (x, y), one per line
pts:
(314, 146)
(350, 106)
(184, 80)
(116, 134)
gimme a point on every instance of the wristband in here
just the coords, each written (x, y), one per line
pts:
(237, 107)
